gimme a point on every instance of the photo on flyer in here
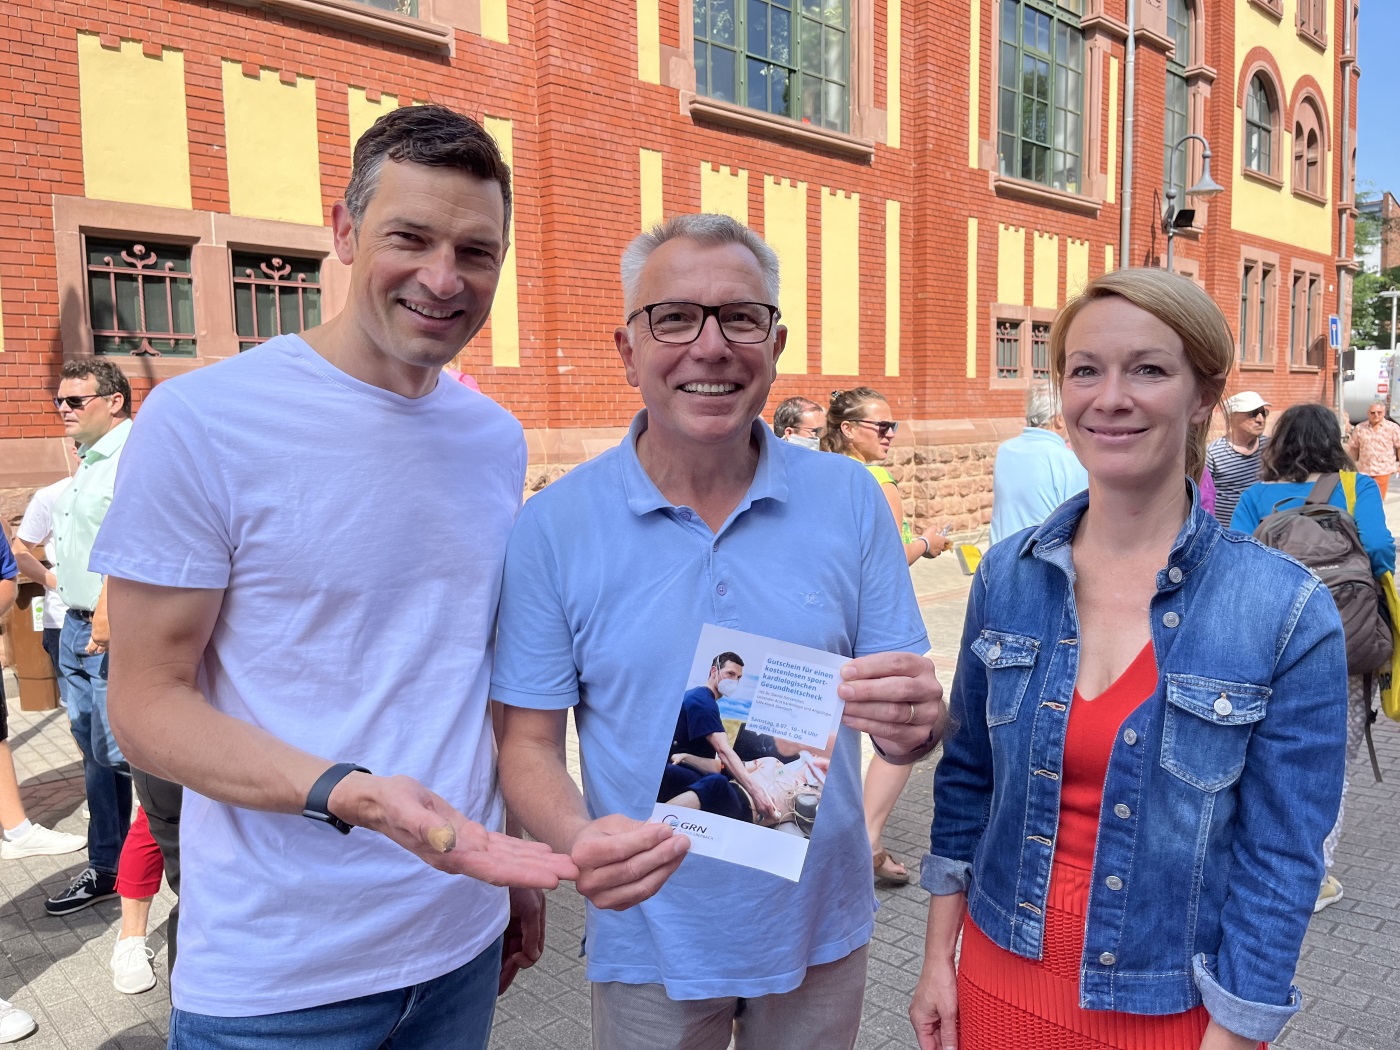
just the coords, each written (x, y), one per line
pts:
(755, 729)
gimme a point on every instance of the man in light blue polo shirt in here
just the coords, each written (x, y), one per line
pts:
(700, 516)
(1035, 471)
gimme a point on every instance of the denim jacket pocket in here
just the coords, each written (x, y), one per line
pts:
(1207, 728)
(1009, 659)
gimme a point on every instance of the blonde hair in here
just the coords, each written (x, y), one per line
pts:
(846, 406)
(1184, 308)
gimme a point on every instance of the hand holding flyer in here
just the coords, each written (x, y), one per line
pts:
(748, 761)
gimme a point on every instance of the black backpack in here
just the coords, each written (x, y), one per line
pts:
(1326, 540)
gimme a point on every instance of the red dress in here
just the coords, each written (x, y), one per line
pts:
(1006, 1001)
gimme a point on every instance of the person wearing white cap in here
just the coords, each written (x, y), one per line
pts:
(1233, 460)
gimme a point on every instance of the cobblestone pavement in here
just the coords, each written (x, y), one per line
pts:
(57, 968)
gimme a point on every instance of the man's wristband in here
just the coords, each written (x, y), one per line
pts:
(910, 757)
(318, 798)
(928, 547)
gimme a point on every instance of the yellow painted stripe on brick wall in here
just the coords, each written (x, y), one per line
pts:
(495, 21)
(505, 313)
(1076, 266)
(974, 81)
(135, 134)
(972, 311)
(894, 16)
(1011, 265)
(1108, 266)
(893, 305)
(648, 41)
(840, 283)
(652, 209)
(1045, 282)
(785, 230)
(274, 163)
(1113, 89)
(725, 191)
(363, 113)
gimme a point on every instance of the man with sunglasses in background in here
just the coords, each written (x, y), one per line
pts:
(94, 403)
(1233, 460)
(702, 515)
(1373, 445)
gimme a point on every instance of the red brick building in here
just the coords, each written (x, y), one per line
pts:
(937, 178)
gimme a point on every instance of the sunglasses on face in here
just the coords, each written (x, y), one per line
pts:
(885, 427)
(1259, 413)
(76, 402)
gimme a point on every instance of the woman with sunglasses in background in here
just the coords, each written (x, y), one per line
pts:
(859, 424)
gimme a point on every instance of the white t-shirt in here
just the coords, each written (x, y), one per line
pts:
(359, 537)
(36, 527)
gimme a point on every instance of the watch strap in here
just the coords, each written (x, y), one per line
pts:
(318, 798)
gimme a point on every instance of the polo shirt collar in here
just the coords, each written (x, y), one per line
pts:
(108, 443)
(1041, 434)
(643, 497)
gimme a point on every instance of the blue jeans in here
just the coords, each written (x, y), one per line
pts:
(105, 772)
(451, 1012)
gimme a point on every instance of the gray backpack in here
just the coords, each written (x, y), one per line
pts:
(1326, 540)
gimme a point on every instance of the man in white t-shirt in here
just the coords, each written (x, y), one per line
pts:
(268, 656)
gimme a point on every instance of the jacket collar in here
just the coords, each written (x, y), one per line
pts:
(1051, 541)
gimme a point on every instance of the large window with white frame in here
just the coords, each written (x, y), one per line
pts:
(1040, 130)
(791, 58)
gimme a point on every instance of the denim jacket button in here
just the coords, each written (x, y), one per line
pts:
(1171, 619)
(1113, 882)
(1130, 737)
(1223, 706)
(1123, 811)
(995, 651)
(1174, 574)
(1107, 959)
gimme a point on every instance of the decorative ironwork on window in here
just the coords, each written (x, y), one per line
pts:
(274, 295)
(398, 7)
(140, 298)
(787, 57)
(1008, 350)
(1040, 350)
(1039, 131)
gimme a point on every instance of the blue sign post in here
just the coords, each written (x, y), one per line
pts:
(1334, 331)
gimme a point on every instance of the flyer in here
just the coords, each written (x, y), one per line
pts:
(747, 764)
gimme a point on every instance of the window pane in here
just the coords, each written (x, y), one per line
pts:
(702, 67)
(810, 47)
(102, 311)
(722, 27)
(836, 107)
(835, 54)
(812, 8)
(779, 95)
(723, 74)
(757, 27)
(757, 86)
(780, 37)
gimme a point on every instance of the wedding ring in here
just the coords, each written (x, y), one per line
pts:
(911, 715)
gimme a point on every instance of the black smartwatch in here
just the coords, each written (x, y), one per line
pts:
(318, 798)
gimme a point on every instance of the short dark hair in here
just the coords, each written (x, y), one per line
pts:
(110, 379)
(431, 135)
(790, 413)
(726, 658)
(1306, 440)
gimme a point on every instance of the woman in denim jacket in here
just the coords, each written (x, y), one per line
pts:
(1150, 730)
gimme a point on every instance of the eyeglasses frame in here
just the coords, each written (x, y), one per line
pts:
(706, 313)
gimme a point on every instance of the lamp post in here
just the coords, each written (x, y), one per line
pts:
(1392, 296)
(1207, 187)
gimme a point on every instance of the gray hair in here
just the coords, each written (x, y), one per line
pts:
(1042, 405)
(790, 413)
(706, 229)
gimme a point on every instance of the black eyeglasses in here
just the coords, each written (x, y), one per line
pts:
(681, 322)
(886, 427)
(815, 432)
(1260, 412)
(77, 401)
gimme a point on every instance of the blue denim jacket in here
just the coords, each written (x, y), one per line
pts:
(1220, 788)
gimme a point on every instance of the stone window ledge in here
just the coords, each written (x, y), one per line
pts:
(1304, 369)
(1272, 8)
(1256, 366)
(1024, 190)
(726, 114)
(365, 20)
(1309, 196)
(1260, 177)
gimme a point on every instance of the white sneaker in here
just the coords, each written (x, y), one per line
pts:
(87, 813)
(14, 1023)
(40, 841)
(131, 966)
(1329, 893)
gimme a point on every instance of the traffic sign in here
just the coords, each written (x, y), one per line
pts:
(1334, 331)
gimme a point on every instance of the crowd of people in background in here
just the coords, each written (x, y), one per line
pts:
(1136, 812)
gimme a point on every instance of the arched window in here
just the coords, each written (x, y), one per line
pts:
(1178, 123)
(1309, 147)
(1259, 127)
(1313, 174)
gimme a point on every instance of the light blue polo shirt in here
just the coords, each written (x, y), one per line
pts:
(606, 588)
(1034, 473)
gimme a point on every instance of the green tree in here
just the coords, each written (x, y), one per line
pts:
(1370, 312)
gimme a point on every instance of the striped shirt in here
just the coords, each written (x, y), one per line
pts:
(1233, 473)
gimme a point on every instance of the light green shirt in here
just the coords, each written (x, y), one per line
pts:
(78, 515)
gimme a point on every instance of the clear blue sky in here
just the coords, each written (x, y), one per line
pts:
(1378, 120)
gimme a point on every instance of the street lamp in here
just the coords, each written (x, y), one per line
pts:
(1392, 296)
(1207, 187)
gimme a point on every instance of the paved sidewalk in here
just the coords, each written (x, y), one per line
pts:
(57, 968)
